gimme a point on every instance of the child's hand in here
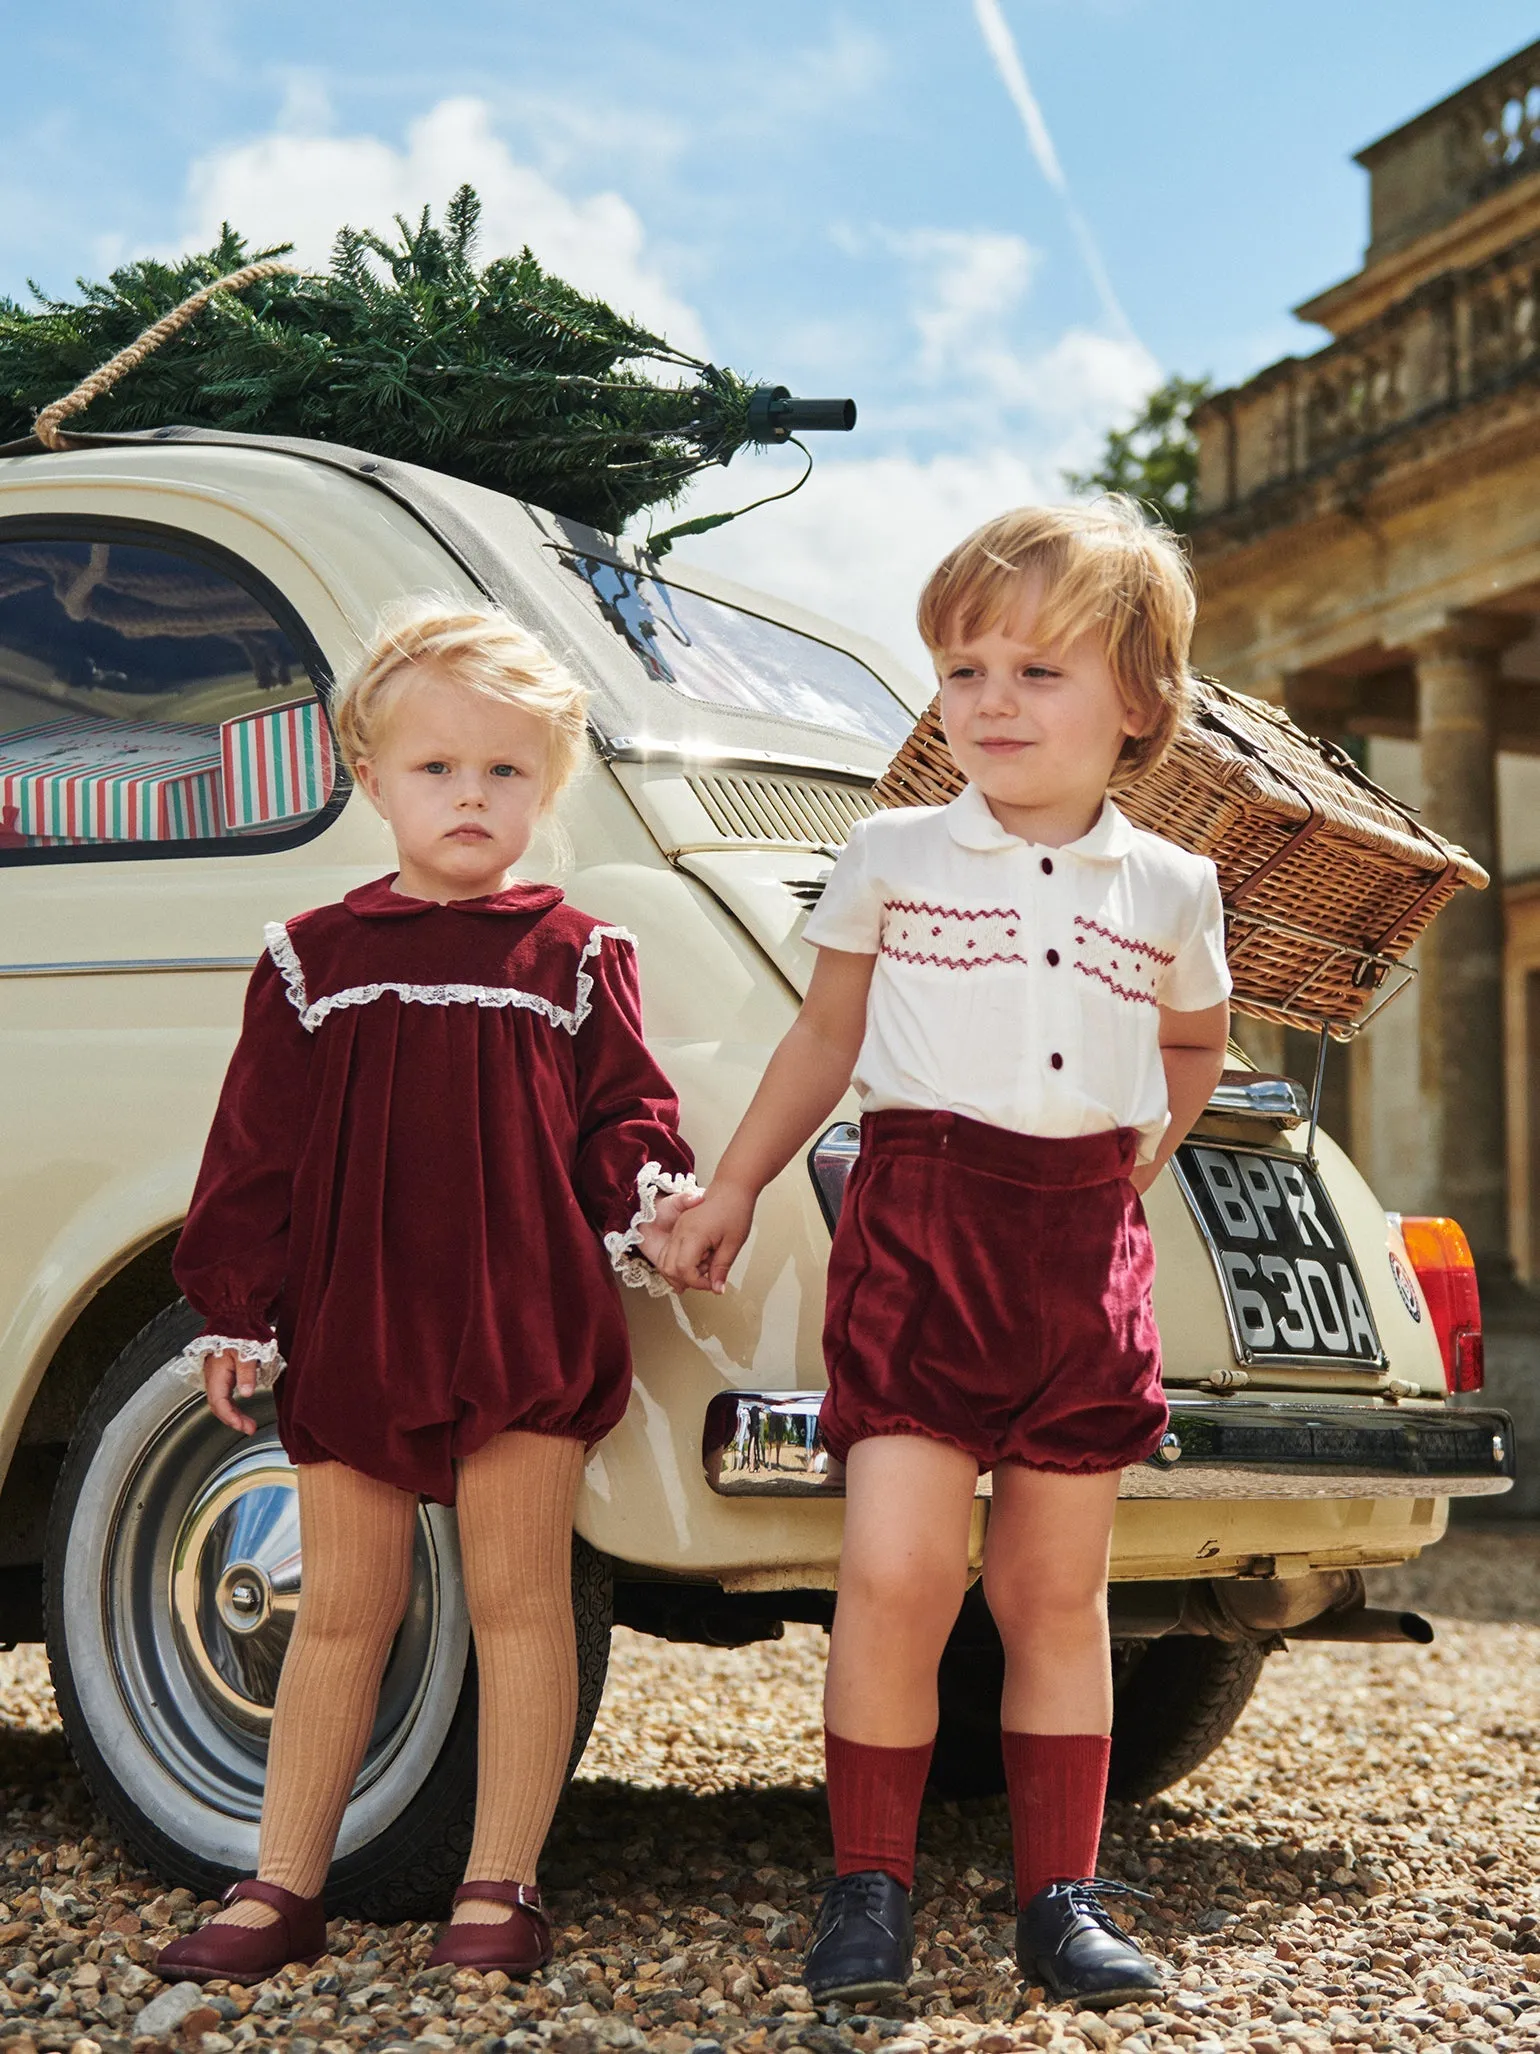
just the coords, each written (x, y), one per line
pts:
(653, 1238)
(703, 1245)
(226, 1376)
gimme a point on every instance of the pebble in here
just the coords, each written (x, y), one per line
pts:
(163, 2014)
(1359, 1865)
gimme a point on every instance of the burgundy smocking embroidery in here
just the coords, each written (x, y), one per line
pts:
(1141, 998)
(904, 937)
(1124, 941)
(1137, 983)
(951, 912)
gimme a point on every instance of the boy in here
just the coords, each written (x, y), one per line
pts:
(1031, 998)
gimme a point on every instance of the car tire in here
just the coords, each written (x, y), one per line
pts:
(1174, 1701)
(170, 1580)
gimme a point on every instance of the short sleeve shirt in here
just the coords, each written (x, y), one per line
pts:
(1018, 984)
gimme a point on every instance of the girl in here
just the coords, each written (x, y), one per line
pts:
(1031, 995)
(441, 1102)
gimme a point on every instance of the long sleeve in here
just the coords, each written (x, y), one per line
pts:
(629, 1149)
(233, 1252)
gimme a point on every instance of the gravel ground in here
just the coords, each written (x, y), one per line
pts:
(1357, 1866)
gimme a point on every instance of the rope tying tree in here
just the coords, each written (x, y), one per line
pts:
(46, 426)
(500, 374)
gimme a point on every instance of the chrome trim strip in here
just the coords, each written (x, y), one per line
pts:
(734, 845)
(631, 749)
(1249, 1095)
(766, 1444)
(130, 965)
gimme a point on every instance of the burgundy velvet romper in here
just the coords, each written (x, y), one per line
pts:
(438, 1134)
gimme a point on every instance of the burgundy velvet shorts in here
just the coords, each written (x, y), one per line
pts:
(992, 1290)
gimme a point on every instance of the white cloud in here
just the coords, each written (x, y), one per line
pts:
(300, 184)
(860, 538)
(971, 282)
(974, 422)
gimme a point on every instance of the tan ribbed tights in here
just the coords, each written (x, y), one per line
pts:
(514, 1502)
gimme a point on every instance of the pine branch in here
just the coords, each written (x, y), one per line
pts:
(502, 374)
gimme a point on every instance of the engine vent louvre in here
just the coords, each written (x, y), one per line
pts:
(782, 809)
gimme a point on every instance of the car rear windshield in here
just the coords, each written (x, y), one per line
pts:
(721, 655)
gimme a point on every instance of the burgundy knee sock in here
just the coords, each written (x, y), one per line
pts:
(874, 1804)
(1058, 1785)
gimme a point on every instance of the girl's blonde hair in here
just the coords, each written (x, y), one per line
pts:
(479, 647)
(1106, 570)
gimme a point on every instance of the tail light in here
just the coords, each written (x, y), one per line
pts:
(1440, 1254)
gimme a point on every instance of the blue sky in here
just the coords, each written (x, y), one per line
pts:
(840, 197)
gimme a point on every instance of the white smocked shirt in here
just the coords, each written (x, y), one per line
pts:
(1017, 984)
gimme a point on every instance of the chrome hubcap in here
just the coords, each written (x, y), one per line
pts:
(235, 1583)
(198, 1591)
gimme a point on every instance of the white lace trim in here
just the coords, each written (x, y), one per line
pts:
(281, 948)
(652, 1179)
(189, 1364)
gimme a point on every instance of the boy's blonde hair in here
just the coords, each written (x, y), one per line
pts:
(479, 647)
(1107, 571)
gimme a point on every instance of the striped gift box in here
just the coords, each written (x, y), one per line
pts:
(111, 781)
(276, 765)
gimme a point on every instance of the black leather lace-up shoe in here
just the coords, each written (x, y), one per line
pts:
(863, 1945)
(1066, 1941)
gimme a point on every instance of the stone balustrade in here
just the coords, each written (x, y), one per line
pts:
(1455, 154)
(1459, 338)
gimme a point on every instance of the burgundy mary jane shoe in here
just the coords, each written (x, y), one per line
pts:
(518, 1946)
(245, 1954)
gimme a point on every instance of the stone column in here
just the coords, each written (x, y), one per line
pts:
(1461, 994)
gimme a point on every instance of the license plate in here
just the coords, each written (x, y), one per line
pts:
(1292, 1291)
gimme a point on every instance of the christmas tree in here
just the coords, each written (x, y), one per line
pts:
(500, 374)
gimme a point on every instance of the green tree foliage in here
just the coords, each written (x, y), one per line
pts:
(1155, 459)
(499, 374)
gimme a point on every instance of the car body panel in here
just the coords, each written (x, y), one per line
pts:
(115, 1027)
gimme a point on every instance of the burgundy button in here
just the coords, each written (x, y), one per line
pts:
(1057, 1060)
(1048, 866)
(1053, 959)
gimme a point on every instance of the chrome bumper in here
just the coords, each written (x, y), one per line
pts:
(765, 1444)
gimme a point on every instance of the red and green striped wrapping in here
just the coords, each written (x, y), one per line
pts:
(117, 781)
(277, 765)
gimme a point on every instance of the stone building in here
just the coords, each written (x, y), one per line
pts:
(1368, 554)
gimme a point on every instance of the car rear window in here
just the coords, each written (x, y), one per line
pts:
(721, 655)
(149, 699)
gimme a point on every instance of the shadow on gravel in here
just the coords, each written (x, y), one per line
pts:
(612, 1841)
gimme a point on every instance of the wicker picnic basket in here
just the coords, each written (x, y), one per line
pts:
(1326, 880)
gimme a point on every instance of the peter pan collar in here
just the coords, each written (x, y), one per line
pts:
(378, 900)
(973, 826)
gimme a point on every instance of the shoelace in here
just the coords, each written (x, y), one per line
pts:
(870, 1889)
(1087, 1892)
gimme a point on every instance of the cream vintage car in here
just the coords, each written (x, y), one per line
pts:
(173, 608)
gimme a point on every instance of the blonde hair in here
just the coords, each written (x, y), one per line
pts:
(1108, 571)
(479, 647)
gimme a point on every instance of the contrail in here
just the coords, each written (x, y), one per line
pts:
(1001, 46)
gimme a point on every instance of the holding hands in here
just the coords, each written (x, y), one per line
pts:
(707, 1235)
(656, 1237)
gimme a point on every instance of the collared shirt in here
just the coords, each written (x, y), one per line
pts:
(1019, 984)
